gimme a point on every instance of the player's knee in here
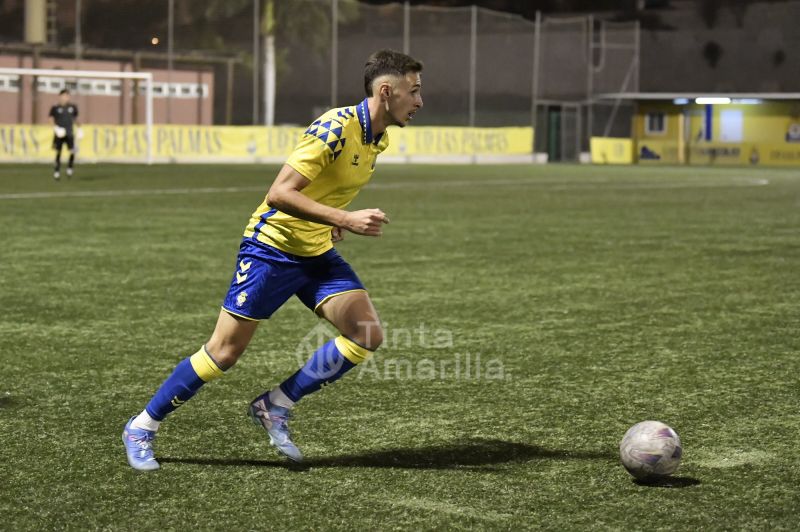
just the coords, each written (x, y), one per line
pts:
(369, 335)
(225, 353)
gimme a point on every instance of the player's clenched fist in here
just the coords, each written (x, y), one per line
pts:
(366, 222)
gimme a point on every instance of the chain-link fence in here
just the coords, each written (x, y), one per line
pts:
(284, 62)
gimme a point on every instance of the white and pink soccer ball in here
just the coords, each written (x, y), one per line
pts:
(650, 450)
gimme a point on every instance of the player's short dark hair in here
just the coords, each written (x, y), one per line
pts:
(63, 91)
(388, 62)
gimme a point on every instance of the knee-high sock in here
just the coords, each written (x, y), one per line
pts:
(326, 365)
(71, 160)
(189, 375)
(58, 160)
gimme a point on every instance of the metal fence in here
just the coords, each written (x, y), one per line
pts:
(482, 67)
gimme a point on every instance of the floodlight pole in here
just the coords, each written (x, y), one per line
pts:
(148, 120)
(334, 52)
(473, 63)
(78, 35)
(256, 59)
(406, 27)
(637, 52)
(269, 63)
(590, 81)
(537, 31)
(170, 32)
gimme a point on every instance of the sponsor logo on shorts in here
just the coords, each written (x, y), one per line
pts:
(241, 299)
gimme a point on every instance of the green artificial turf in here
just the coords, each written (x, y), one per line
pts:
(595, 297)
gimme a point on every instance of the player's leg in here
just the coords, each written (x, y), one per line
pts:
(355, 317)
(71, 162)
(57, 147)
(264, 280)
(353, 314)
(231, 336)
(336, 294)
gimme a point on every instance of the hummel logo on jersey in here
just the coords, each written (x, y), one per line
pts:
(241, 276)
(355, 160)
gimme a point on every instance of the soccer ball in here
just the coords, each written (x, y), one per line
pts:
(650, 450)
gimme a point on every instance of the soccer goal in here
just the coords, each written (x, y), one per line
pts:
(90, 82)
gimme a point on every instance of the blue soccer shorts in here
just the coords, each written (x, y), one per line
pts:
(267, 277)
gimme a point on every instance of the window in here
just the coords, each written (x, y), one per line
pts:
(655, 124)
(731, 126)
(9, 83)
(175, 90)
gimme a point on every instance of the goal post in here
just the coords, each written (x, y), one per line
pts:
(146, 77)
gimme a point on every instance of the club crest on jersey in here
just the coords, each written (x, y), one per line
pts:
(355, 160)
(241, 299)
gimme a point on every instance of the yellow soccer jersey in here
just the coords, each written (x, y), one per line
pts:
(337, 153)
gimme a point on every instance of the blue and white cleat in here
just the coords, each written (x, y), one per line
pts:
(273, 419)
(139, 447)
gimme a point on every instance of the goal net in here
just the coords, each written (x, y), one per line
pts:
(126, 94)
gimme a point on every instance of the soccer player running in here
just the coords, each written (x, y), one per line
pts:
(64, 119)
(288, 250)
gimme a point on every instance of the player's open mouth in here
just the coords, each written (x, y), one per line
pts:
(411, 115)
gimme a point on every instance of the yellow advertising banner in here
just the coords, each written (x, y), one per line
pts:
(774, 154)
(246, 143)
(720, 154)
(658, 151)
(607, 150)
(425, 140)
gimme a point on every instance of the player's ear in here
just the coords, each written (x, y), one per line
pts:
(386, 90)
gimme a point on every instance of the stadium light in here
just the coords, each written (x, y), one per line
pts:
(712, 100)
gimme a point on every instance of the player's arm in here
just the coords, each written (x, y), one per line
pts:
(285, 196)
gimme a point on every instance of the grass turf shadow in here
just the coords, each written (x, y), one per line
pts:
(476, 454)
(668, 482)
(7, 402)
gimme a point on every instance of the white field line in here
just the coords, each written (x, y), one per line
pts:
(559, 184)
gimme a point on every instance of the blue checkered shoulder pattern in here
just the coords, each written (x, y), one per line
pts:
(330, 130)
